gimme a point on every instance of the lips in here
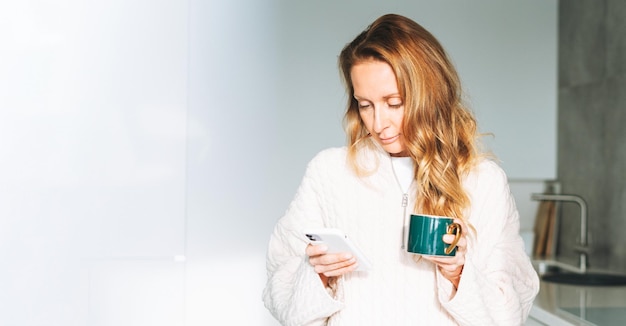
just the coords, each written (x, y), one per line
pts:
(386, 141)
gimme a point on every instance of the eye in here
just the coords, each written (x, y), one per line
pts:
(364, 105)
(395, 103)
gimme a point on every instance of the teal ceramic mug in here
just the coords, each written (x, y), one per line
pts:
(426, 235)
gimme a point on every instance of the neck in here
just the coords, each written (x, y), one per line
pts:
(401, 154)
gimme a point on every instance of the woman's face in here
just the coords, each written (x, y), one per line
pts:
(380, 106)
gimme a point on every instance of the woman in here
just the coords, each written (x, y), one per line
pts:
(412, 149)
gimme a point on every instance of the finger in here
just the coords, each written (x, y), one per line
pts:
(341, 271)
(316, 250)
(338, 268)
(331, 259)
(450, 265)
(329, 262)
(460, 222)
(443, 261)
(451, 273)
(449, 238)
(448, 262)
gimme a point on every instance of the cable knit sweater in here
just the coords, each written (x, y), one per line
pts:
(497, 286)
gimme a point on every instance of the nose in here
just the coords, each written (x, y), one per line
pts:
(380, 120)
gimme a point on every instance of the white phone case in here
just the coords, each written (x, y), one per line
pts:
(337, 242)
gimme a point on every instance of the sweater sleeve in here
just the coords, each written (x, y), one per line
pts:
(294, 293)
(498, 284)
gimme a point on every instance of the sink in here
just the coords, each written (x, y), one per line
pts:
(592, 279)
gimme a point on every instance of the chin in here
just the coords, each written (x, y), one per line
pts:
(396, 152)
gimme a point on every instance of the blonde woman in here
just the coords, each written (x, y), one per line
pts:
(412, 148)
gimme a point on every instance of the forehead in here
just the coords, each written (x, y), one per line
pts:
(373, 79)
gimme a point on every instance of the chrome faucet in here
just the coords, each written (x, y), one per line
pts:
(583, 248)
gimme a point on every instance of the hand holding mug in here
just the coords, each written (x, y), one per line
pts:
(452, 267)
(440, 240)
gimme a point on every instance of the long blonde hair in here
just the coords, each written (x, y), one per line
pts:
(440, 133)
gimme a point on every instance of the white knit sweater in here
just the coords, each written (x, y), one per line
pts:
(497, 287)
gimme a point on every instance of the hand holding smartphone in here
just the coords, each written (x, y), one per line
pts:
(338, 242)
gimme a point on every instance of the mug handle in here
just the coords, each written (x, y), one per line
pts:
(457, 230)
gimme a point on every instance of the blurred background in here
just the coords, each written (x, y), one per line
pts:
(148, 147)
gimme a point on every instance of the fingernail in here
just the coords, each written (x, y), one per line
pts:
(347, 256)
(323, 247)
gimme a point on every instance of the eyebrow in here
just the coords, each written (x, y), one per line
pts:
(386, 97)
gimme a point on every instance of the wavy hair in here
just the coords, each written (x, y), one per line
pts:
(439, 131)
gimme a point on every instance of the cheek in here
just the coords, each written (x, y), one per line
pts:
(366, 119)
(398, 121)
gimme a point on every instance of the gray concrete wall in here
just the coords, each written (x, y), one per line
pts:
(592, 126)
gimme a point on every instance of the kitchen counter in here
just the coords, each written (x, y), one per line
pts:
(561, 304)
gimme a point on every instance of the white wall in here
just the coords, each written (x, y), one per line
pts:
(148, 147)
(93, 107)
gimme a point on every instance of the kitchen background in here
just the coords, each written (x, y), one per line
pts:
(148, 147)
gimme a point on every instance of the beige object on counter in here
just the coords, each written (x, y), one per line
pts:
(544, 229)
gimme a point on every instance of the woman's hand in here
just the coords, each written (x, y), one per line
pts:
(451, 267)
(330, 265)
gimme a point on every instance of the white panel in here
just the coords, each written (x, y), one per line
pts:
(232, 142)
(43, 289)
(234, 158)
(227, 287)
(131, 293)
(93, 100)
(93, 126)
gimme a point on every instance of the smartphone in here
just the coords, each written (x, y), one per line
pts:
(337, 242)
